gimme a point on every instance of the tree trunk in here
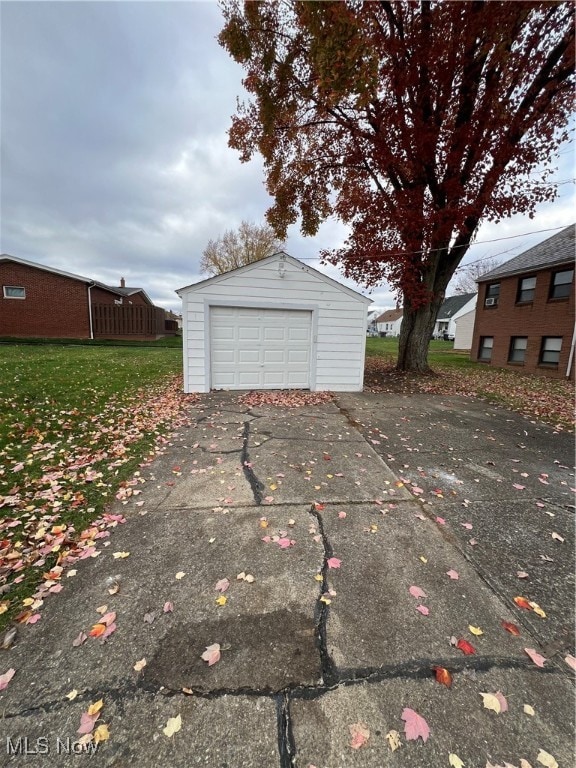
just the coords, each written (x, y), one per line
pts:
(415, 334)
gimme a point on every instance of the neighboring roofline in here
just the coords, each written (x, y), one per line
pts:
(72, 276)
(489, 277)
(451, 317)
(273, 257)
(24, 262)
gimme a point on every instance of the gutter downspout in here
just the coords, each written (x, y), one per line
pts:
(571, 358)
(90, 285)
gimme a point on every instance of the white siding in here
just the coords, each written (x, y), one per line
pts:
(338, 325)
(464, 331)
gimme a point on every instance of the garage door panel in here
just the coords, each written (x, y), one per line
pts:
(299, 334)
(254, 348)
(249, 356)
(247, 333)
(275, 356)
(274, 334)
(223, 356)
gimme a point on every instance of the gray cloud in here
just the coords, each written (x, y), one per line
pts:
(115, 159)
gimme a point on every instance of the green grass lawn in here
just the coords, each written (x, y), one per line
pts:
(440, 352)
(75, 421)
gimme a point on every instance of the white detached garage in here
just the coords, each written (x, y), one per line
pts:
(274, 324)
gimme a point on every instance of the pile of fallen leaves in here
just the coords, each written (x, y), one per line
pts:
(539, 398)
(54, 486)
(288, 398)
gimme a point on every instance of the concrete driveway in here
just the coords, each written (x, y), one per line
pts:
(362, 540)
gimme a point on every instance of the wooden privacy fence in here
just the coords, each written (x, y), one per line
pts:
(127, 320)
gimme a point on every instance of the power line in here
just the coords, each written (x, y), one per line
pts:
(478, 242)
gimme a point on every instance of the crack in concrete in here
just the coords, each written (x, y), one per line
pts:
(322, 609)
(255, 484)
(286, 743)
(415, 669)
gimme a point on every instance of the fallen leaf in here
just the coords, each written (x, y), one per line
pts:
(222, 600)
(87, 722)
(180, 575)
(502, 700)
(557, 536)
(415, 726)
(529, 710)
(211, 654)
(423, 610)
(139, 666)
(455, 761)
(82, 637)
(222, 585)
(417, 592)
(546, 759)
(522, 574)
(360, 735)
(6, 677)
(443, 676)
(120, 555)
(475, 630)
(96, 707)
(535, 656)
(570, 660)
(393, 738)
(72, 695)
(509, 627)
(453, 574)
(465, 647)
(522, 602)
(97, 630)
(333, 562)
(492, 702)
(341, 515)
(172, 726)
(168, 607)
(101, 733)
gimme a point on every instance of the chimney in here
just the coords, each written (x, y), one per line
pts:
(122, 283)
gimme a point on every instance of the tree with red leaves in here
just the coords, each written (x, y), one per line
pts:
(412, 122)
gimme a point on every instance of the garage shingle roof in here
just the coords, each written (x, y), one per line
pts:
(557, 249)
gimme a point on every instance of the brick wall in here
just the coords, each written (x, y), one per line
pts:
(541, 317)
(55, 306)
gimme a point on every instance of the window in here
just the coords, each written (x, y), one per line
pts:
(550, 351)
(492, 295)
(14, 292)
(561, 284)
(486, 344)
(518, 346)
(526, 288)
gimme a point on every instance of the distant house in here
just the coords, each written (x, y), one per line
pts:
(525, 314)
(389, 322)
(452, 308)
(371, 322)
(40, 301)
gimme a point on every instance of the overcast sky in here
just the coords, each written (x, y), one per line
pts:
(114, 148)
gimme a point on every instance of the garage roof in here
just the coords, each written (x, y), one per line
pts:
(270, 259)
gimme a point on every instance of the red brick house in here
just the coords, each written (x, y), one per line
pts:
(525, 310)
(39, 301)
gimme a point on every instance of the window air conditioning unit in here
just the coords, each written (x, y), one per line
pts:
(490, 302)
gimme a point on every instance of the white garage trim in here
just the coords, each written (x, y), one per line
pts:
(210, 303)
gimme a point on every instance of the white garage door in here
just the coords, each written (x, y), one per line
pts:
(259, 348)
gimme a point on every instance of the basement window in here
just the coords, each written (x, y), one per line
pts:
(14, 292)
(518, 345)
(486, 345)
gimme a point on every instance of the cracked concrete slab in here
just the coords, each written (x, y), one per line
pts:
(206, 547)
(213, 732)
(317, 471)
(383, 556)
(458, 722)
